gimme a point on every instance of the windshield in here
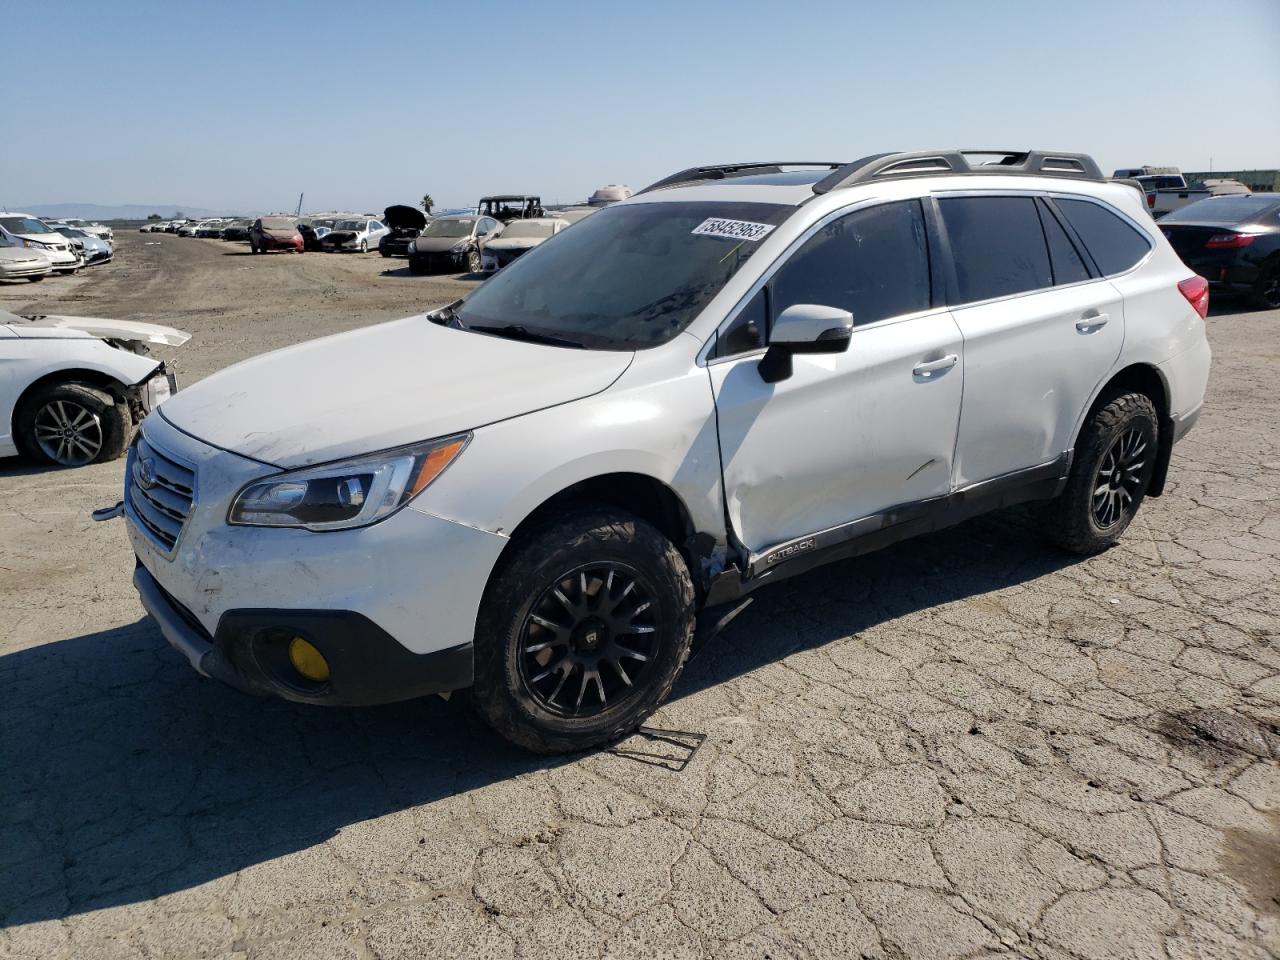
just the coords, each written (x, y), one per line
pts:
(1238, 209)
(350, 225)
(23, 225)
(628, 277)
(1161, 182)
(522, 229)
(72, 232)
(448, 228)
(276, 223)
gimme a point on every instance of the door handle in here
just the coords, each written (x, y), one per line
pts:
(1088, 324)
(930, 367)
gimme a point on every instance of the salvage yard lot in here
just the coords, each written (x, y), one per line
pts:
(966, 745)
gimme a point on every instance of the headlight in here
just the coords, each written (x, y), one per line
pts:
(346, 494)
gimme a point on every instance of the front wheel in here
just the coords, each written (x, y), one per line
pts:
(473, 261)
(1114, 461)
(72, 424)
(364, 246)
(583, 630)
(35, 279)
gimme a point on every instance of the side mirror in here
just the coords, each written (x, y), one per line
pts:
(804, 328)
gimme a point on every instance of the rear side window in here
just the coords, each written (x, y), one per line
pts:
(873, 263)
(997, 245)
(1114, 245)
(1067, 265)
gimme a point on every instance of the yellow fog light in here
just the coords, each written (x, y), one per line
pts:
(308, 661)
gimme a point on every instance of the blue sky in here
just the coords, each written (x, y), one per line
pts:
(240, 106)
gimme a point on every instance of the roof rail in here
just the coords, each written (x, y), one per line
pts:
(723, 170)
(924, 163)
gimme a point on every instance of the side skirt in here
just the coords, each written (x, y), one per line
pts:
(901, 522)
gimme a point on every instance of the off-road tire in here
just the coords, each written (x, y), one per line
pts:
(1070, 521)
(116, 423)
(542, 558)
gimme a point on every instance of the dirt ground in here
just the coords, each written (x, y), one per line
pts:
(965, 745)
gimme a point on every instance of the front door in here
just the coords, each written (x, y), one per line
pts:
(852, 434)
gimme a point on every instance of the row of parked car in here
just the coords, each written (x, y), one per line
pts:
(32, 248)
(481, 239)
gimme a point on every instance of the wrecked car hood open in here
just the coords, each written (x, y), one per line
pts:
(128, 330)
(380, 387)
(400, 217)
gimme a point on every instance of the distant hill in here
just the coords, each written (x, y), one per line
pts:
(124, 211)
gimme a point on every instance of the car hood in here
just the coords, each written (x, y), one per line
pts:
(380, 387)
(20, 254)
(37, 326)
(437, 244)
(515, 243)
(399, 217)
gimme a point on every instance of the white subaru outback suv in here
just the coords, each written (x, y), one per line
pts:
(738, 374)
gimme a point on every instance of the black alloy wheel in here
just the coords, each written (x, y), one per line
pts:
(1120, 478)
(588, 640)
(1267, 290)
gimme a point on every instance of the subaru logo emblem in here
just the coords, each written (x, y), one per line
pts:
(146, 473)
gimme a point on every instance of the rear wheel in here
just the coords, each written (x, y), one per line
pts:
(1114, 461)
(72, 424)
(1266, 292)
(583, 631)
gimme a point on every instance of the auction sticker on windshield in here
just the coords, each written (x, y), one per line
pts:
(732, 229)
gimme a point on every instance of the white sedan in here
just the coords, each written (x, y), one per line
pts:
(362, 235)
(73, 388)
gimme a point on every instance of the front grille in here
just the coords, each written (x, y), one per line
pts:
(159, 492)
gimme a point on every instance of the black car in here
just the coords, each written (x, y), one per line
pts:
(406, 224)
(237, 230)
(1233, 242)
(313, 231)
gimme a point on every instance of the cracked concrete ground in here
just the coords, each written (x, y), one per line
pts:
(968, 745)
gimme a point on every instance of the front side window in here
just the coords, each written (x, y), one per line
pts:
(629, 277)
(997, 246)
(1114, 245)
(873, 262)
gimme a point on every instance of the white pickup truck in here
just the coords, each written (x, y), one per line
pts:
(1167, 189)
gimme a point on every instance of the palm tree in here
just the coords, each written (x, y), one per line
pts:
(428, 203)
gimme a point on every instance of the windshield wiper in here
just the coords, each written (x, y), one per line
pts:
(514, 331)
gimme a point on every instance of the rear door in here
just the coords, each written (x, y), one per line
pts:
(1041, 329)
(852, 434)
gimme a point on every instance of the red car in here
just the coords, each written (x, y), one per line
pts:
(274, 233)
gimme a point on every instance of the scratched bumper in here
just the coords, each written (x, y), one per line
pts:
(416, 577)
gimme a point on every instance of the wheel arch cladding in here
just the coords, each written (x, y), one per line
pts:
(1145, 379)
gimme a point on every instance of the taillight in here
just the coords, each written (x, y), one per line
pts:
(1228, 241)
(1196, 290)
(1151, 200)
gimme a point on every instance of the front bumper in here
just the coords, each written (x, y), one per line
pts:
(249, 652)
(20, 270)
(414, 580)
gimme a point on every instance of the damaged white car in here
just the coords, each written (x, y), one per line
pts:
(72, 389)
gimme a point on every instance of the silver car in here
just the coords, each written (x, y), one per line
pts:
(93, 249)
(22, 263)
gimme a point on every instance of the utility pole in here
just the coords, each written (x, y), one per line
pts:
(298, 212)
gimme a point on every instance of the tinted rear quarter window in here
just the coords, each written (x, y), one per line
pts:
(1114, 244)
(997, 245)
(873, 262)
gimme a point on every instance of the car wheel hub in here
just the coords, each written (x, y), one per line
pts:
(68, 433)
(588, 640)
(1119, 478)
